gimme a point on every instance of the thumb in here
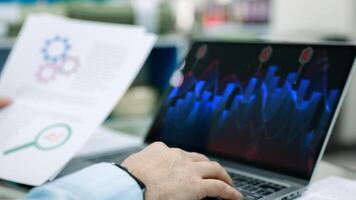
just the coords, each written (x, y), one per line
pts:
(4, 102)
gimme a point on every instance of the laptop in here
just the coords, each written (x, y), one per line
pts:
(263, 110)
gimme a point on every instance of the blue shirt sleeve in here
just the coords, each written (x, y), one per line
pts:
(101, 181)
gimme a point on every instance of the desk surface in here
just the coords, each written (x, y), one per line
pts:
(325, 169)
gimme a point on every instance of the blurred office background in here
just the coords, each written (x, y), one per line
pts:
(177, 22)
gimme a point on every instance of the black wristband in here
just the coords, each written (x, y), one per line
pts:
(139, 182)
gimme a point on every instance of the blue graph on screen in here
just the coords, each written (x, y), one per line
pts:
(266, 105)
(261, 105)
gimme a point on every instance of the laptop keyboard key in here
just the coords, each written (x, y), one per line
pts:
(269, 187)
(263, 192)
(253, 188)
(248, 197)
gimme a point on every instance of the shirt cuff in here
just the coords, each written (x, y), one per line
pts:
(100, 181)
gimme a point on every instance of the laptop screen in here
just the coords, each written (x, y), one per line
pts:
(265, 105)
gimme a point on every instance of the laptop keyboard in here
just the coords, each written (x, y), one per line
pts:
(252, 188)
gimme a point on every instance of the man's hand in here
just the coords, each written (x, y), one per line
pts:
(171, 173)
(4, 102)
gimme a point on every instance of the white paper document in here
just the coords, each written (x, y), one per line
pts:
(331, 188)
(65, 76)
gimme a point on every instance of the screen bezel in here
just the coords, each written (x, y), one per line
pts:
(321, 148)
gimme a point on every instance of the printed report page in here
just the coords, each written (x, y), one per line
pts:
(65, 76)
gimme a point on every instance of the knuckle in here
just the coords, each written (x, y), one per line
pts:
(222, 187)
(159, 144)
(202, 190)
(216, 164)
(192, 169)
(195, 182)
(229, 192)
(176, 152)
(203, 157)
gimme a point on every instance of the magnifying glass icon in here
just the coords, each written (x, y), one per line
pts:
(49, 138)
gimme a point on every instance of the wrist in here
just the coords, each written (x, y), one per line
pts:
(138, 181)
(151, 192)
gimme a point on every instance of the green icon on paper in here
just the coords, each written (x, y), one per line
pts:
(49, 138)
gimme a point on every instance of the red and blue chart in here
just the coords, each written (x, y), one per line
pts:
(267, 104)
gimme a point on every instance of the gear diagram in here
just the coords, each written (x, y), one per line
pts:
(46, 73)
(68, 66)
(56, 60)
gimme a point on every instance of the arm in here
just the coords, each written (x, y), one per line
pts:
(100, 181)
(167, 173)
